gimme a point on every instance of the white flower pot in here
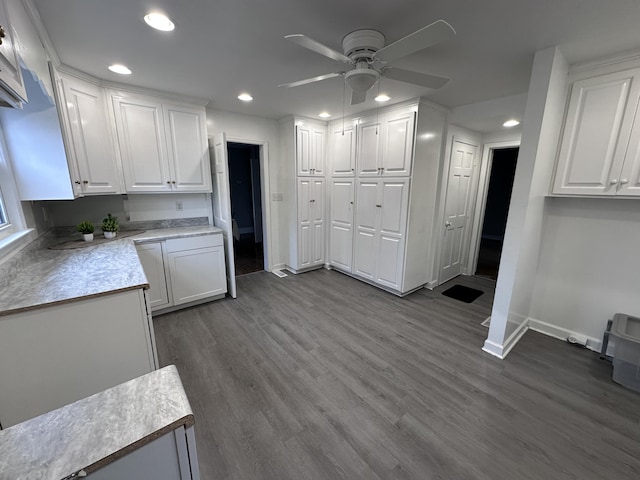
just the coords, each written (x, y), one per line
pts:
(109, 234)
(88, 237)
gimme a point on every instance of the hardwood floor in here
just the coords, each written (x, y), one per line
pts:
(320, 376)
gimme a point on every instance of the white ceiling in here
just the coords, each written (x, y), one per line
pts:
(220, 48)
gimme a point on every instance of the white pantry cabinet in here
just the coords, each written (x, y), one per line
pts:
(184, 271)
(163, 146)
(90, 151)
(311, 231)
(342, 150)
(382, 221)
(311, 139)
(385, 144)
(381, 218)
(599, 153)
(12, 90)
(72, 350)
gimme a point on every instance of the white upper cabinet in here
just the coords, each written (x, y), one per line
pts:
(599, 150)
(187, 148)
(311, 141)
(143, 151)
(385, 145)
(89, 142)
(342, 151)
(163, 147)
(12, 89)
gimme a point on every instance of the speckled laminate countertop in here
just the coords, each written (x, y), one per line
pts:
(44, 277)
(95, 431)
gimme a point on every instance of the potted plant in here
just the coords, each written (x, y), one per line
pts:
(110, 226)
(86, 229)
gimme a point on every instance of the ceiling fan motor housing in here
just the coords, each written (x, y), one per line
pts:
(362, 44)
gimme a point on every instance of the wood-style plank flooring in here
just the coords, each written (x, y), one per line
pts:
(320, 376)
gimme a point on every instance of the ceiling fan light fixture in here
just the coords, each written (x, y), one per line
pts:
(382, 98)
(159, 21)
(361, 79)
(511, 123)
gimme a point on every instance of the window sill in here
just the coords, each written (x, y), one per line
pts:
(14, 242)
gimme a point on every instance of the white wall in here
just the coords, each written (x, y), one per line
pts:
(588, 268)
(522, 245)
(252, 129)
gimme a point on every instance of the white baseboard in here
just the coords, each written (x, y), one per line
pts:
(501, 351)
(561, 333)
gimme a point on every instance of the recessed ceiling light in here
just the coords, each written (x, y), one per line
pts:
(382, 98)
(324, 114)
(245, 97)
(121, 69)
(511, 123)
(159, 21)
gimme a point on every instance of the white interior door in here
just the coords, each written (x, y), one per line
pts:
(221, 199)
(457, 209)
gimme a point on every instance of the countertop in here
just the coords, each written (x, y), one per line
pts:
(95, 431)
(44, 277)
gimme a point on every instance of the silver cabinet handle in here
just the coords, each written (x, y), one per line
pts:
(613, 181)
(623, 181)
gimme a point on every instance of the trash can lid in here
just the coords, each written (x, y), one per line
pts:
(626, 327)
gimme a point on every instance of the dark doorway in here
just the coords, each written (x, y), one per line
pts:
(246, 207)
(503, 170)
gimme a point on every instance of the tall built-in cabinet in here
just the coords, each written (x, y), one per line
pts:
(304, 144)
(382, 210)
(599, 153)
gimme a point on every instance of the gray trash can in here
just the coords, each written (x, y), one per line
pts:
(625, 331)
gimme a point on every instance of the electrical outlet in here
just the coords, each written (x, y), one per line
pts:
(179, 206)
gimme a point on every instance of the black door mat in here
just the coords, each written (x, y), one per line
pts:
(462, 293)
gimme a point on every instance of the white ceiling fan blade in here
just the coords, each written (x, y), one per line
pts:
(310, 80)
(317, 47)
(358, 97)
(437, 32)
(416, 78)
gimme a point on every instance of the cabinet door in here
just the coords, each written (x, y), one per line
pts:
(368, 159)
(197, 274)
(596, 134)
(341, 224)
(10, 72)
(365, 244)
(397, 145)
(305, 213)
(90, 137)
(310, 149)
(342, 152)
(152, 260)
(317, 221)
(187, 148)
(141, 140)
(393, 198)
(629, 184)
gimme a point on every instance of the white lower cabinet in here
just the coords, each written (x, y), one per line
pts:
(381, 216)
(71, 351)
(341, 223)
(184, 270)
(168, 457)
(152, 259)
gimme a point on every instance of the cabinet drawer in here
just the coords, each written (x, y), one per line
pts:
(189, 243)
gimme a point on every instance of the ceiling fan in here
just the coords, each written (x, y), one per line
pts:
(369, 58)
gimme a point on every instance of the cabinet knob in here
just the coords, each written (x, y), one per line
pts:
(623, 181)
(312, 201)
(168, 182)
(85, 181)
(379, 206)
(447, 224)
(77, 182)
(613, 181)
(173, 182)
